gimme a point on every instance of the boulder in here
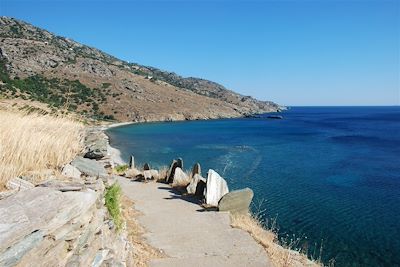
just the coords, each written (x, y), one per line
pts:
(196, 169)
(194, 183)
(216, 188)
(171, 171)
(237, 201)
(180, 178)
(89, 167)
(96, 143)
(150, 174)
(63, 186)
(132, 162)
(71, 171)
(146, 167)
(19, 184)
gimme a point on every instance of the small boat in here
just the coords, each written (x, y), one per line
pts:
(277, 117)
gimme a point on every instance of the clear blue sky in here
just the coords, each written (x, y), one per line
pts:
(293, 52)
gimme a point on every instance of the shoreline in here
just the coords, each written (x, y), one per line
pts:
(248, 223)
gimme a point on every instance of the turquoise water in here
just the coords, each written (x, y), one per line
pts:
(329, 175)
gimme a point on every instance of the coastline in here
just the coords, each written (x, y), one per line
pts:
(278, 254)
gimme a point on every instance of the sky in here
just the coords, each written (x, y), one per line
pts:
(295, 53)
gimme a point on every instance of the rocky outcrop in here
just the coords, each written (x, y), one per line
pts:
(44, 226)
(216, 188)
(237, 201)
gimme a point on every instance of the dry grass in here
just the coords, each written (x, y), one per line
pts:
(34, 142)
(142, 252)
(285, 255)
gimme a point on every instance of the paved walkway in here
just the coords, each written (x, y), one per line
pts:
(188, 235)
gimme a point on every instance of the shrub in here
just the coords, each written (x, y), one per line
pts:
(121, 168)
(113, 204)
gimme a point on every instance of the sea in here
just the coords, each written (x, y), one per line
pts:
(327, 179)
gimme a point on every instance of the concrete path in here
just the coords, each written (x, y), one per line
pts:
(189, 236)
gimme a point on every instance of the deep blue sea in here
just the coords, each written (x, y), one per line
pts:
(329, 175)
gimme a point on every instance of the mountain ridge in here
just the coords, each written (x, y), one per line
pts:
(38, 65)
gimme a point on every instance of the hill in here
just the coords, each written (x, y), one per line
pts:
(37, 65)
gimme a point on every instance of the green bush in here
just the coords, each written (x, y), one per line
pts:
(113, 204)
(121, 168)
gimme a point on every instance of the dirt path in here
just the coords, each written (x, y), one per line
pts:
(189, 236)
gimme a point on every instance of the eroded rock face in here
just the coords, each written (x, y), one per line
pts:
(36, 209)
(89, 167)
(180, 178)
(197, 185)
(237, 201)
(216, 188)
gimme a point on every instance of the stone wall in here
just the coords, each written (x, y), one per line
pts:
(62, 221)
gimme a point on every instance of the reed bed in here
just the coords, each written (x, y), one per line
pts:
(34, 142)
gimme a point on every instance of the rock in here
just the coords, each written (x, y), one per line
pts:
(63, 186)
(237, 201)
(216, 188)
(96, 144)
(132, 162)
(196, 169)
(194, 182)
(150, 174)
(71, 171)
(180, 178)
(146, 167)
(100, 257)
(89, 167)
(5, 194)
(180, 163)
(171, 171)
(18, 184)
(13, 254)
(39, 209)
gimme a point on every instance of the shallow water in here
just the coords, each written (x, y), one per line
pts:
(329, 175)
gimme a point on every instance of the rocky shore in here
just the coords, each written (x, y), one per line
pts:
(64, 220)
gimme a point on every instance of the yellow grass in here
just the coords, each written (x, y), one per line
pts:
(34, 142)
(284, 256)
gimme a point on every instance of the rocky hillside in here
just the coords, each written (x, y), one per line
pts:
(40, 66)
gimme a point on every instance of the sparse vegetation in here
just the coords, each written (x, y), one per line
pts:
(285, 254)
(113, 204)
(31, 142)
(142, 252)
(71, 94)
(121, 168)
